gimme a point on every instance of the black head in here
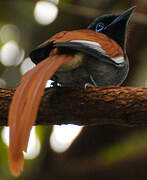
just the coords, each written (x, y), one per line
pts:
(113, 25)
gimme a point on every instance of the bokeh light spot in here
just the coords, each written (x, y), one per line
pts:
(9, 32)
(45, 12)
(63, 136)
(54, 1)
(33, 146)
(11, 55)
(26, 65)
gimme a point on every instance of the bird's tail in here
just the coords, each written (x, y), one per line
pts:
(24, 106)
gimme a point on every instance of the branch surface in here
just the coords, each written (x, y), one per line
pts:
(92, 106)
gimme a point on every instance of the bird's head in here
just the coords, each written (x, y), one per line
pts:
(113, 25)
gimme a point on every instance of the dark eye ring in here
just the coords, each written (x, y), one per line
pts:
(99, 27)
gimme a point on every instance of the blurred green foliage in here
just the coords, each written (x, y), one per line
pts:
(71, 16)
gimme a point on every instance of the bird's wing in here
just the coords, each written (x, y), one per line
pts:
(88, 47)
(93, 43)
(43, 51)
(25, 103)
(87, 41)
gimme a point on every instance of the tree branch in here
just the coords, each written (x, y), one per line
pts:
(97, 105)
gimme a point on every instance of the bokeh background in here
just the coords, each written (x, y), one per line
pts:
(68, 151)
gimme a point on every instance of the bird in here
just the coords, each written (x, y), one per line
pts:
(95, 56)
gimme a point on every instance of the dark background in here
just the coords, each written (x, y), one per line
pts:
(100, 152)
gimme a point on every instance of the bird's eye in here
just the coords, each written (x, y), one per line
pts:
(99, 27)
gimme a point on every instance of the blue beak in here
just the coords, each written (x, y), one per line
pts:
(125, 16)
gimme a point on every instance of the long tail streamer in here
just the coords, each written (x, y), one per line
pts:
(24, 106)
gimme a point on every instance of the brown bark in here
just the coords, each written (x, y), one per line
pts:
(97, 105)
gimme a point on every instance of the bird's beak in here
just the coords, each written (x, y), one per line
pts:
(124, 17)
(116, 30)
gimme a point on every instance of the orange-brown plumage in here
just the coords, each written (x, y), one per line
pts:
(24, 106)
(108, 45)
(102, 61)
